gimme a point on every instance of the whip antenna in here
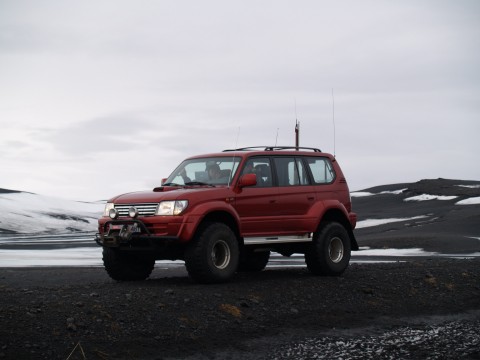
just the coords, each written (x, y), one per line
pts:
(333, 119)
(233, 159)
(276, 139)
(297, 128)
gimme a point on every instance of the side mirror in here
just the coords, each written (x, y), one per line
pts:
(247, 180)
(164, 180)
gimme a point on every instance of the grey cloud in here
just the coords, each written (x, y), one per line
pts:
(100, 135)
(180, 78)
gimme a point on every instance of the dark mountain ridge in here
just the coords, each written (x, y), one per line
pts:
(440, 223)
(8, 191)
(440, 186)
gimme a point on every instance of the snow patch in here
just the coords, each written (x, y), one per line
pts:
(425, 197)
(87, 256)
(412, 252)
(393, 252)
(377, 222)
(361, 194)
(469, 186)
(469, 201)
(394, 192)
(366, 193)
(75, 256)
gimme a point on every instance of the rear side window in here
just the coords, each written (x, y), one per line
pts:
(290, 171)
(321, 169)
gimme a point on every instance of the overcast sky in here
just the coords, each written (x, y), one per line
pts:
(99, 98)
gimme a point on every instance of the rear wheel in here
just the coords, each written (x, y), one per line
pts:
(329, 253)
(213, 255)
(124, 266)
(253, 261)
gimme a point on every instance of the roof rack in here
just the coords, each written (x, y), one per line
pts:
(273, 148)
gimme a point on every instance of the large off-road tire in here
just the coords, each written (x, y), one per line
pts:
(253, 261)
(329, 253)
(213, 255)
(124, 266)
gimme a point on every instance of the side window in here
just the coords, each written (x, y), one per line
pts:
(260, 167)
(322, 170)
(290, 171)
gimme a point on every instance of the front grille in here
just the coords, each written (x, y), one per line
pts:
(148, 209)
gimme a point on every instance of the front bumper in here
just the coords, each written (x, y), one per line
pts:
(132, 234)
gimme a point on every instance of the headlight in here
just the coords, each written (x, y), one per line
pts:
(108, 207)
(113, 213)
(171, 207)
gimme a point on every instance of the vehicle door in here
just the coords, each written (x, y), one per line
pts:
(295, 196)
(256, 205)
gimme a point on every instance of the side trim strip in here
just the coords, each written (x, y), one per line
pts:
(277, 239)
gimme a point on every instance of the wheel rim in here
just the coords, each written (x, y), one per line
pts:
(221, 254)
(335, 250)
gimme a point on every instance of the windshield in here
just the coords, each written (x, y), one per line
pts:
(205, 171)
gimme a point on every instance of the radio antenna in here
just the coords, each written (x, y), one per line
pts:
(333, 119)
(276, 139)
(234, 155)
(297, 128)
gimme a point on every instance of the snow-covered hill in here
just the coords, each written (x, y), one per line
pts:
(27, 213)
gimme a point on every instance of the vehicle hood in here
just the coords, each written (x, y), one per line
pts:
(177, 194)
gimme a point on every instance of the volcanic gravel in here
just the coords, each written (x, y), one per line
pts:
(416, 309)
(447, 340)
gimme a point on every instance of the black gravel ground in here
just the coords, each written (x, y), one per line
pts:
(256, 316)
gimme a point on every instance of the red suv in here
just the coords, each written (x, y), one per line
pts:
(225, 212)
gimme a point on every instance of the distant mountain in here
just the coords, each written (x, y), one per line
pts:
(461, 188)
(430, 214)
(8, 191)
(28, 213)
(440, 207)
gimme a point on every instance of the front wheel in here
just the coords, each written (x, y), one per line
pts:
(213, 255)
(329, 253)
(124, 266)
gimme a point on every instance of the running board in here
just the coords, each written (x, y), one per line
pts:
(277, 239)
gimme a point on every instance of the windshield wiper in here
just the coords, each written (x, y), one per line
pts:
(171, 184)
(190, 183)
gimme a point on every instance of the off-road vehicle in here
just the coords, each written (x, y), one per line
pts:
(225, 212)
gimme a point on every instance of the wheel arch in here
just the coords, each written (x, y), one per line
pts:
(220, 216)
(212, 211)
(338, 216)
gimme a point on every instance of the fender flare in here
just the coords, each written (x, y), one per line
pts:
(348, 220)
(201, 211)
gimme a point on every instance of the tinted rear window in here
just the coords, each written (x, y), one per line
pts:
(321, 169)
